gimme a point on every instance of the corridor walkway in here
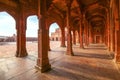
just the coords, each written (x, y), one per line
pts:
(91, 63)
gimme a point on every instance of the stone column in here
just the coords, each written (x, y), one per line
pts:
(69, 36)
(90, 34)
(78, 36)
(117, 46)
(42, 61)
(114, 39)
(107, 25)
(111, 38)
(103, 39)
(63, 37)
(108, 33)
(117, 31)
(86, 33)
(81, 35)
(112, 31)
(74, 37)
(21, 35)
(84, 30)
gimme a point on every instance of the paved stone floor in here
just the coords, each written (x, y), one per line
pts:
(91, 63)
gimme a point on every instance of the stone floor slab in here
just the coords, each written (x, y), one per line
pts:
(91, 63)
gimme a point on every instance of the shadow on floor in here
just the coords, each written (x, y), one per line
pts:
(93, 55)
(96, 48)
(73, 71)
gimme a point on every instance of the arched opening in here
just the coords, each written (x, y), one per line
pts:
(55, 35)
(31, 35)
(7, 35)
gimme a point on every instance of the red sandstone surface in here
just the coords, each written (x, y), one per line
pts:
(91, 63)
(9, 49)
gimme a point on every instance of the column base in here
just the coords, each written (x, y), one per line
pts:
(21, 54)
(74, 43)
(49, 49)
(82, 47)
(62, 46)
(43, 68)
(69, 53)
(86, 44)
(117, 58)
(109, 48)
(43, 65)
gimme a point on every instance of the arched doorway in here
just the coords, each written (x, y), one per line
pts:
(32, 35)
(7, 40)
(55, 35)
(7, 35)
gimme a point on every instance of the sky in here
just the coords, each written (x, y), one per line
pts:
(8, 25)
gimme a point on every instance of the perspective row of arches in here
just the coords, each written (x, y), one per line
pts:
(98, 23)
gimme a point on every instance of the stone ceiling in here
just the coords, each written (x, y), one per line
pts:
(95, 11)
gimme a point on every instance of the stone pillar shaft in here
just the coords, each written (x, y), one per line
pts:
(117, 31)
(69, 36)
(42, 61)
(21, 36)
(78, 36)
(90, 34)
(81, 34)
(117, 46)
(86, 34)
(63, 37)
(74, 37)
(108, 32)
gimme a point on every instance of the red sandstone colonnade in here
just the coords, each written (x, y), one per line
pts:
(96, 22)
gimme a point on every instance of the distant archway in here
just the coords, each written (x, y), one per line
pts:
(54, 34)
